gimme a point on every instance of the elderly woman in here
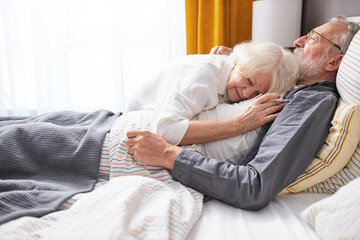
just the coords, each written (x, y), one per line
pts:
(197, 83)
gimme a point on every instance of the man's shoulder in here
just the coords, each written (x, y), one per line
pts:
(319, 95)
(322, 87)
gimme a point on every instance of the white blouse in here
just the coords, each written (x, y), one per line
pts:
(193, 84)
(193, 87)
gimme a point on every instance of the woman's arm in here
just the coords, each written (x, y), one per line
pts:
(197, 82)
(260, 110)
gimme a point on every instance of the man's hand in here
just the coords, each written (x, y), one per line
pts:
(222, 50)
(149, 148)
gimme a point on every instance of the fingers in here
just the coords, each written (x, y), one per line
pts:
(221, 50)
(135, 141)
(273, 109)
(133, 133)
(268, 96)
(131, 149)
(132, 140)
(225, 50)
(139, 137)
(214, 50)
(270, 117)
(266, 101)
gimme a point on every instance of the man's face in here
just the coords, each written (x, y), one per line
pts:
(308, 67)
(313, 51)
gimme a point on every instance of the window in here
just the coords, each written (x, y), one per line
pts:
(83, 55)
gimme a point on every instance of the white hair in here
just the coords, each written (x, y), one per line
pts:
(344, 38)
(251, 58)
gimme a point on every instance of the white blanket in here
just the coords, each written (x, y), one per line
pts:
(138, 202)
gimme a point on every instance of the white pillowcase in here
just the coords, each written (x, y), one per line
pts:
(348, 77)
(337, 216)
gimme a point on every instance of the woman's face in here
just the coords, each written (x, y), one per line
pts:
(240, 88)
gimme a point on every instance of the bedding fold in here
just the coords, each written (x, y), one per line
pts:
(46, 159)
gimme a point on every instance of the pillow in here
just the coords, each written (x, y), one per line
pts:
(350, 172)
(348, 77)
(229, 149)
(339, 146)
(355, 19)
(337, 216)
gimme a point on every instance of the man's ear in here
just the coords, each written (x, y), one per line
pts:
(334, 63)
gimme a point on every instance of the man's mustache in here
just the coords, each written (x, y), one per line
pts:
(299, 52)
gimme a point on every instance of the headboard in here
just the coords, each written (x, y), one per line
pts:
(317, 12)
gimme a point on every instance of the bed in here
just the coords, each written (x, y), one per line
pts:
(135, 201)
(279, 220)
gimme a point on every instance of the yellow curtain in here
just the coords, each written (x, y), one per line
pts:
(216, 22)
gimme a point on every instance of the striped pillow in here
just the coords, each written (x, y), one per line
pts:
(339, 146)
(337, 216)
(348, 77)
(350, 172)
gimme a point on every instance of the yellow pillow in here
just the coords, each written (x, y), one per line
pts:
(339, 147)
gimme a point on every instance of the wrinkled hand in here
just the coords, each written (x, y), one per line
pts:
(222, 50)
(259, 111)
(149, 148)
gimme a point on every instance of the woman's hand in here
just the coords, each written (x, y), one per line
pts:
(222, 50)
(149, 148)
(260, 110)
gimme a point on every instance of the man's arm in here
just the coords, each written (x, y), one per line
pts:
(288, 147)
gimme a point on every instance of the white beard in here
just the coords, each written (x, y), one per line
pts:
(309, 68)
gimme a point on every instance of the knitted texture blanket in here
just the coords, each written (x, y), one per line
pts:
(46, 159)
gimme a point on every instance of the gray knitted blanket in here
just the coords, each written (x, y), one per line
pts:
(46, 159)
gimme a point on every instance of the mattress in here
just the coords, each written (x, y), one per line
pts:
(279, 220)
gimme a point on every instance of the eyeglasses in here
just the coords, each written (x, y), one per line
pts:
(309, 35)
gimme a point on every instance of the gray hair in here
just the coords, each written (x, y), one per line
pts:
(251, 58)
(345, 38)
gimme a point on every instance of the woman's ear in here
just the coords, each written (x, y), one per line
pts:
(334, 63)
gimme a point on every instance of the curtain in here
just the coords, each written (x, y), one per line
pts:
(216, 22)
(83, 55)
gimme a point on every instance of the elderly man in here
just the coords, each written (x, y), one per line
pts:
(284, 147)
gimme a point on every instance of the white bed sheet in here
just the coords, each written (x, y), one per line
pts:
(279, 220)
